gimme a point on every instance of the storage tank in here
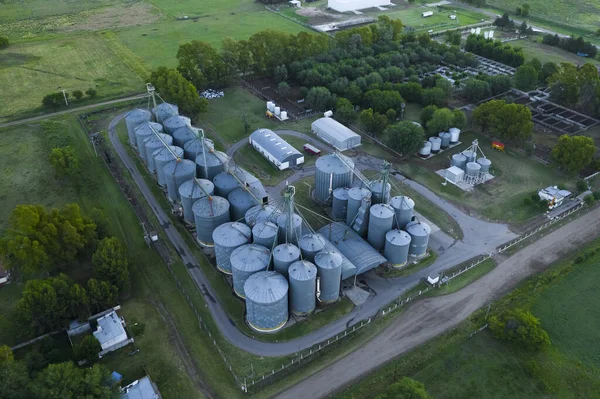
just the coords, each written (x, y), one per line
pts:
(225, 183)
(190, 192)
(133, 119)
(284, 115)
(485, 165)
(473, 169)
(356, 197)
(470, 155)
(303, 287)
(265, 234)
(283, 256)
(184, 134)
(162, 157)
(425, 150)
(245, 261)
(377, 194)
(330, 174)
(282, 222)
(436, 143)
(210, 163)
(195, 147)
(266, 301)
(209, 213)
(340, 203)
(241, 200)
(381, 220)
(329, 271)
(176, 122)
(261, 213)
(177, 173)
(270, 105)
(404, 210)
(277, 110)
(397, 246)
(445, 136)
(310, 245)
(419, 233)
(164, 111)
(152, 144)
(459, 160)
(142, 132)
(454, 135)
(227, 237)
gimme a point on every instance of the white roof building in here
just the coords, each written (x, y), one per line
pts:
(455, 174)
(110, 330)
(354, 5)
(277, 151)
(553, 195)
(143, 388)
(336, 134)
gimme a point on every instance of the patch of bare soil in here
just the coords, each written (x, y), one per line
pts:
(317, 16)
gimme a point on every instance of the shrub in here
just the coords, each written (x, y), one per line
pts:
(3, 42)
(521, 328)
(91, 92)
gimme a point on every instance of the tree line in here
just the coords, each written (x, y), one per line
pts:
(571, 44)
(495, 50)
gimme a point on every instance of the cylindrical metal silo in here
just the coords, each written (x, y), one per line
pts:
(195, 147)
(177, 173)
(142, 132)
(436, 143)
(184, 134)
(227, 237)
(261, 213)
(241, 199)
(266, 301)
(454, 135)
(329, 271)
(425, 150)
(445, 136)
(485, 165)
(378, 195)
(164, 111)
(245, 261)
(340, 203)
(404, 209)
(152, 144)
(356, 197)
(209, 164)
(265, 234)
(470, 155)
(209, 213)
(303, 287)
(225, 183)
(176, 122)
(283, 256)
(282, 222)
(459, 160)
(310, 245)
(162, 157)
(397, 246)
(381, 220)
(473, 169)
(190, 192)
(419, 234)
(331, 173)
(133, 119)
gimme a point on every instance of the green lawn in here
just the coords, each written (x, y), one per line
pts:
(439, 20)
(35, 9)
(533, 48)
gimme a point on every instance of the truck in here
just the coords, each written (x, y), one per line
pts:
(311, 149)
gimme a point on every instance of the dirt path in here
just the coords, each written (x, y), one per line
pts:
(431, 317)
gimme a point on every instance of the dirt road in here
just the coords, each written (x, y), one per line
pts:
(431, 317)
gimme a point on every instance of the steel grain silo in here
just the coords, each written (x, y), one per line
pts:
(404, 209)
(436, 144)
(445, 136)
(245, 261)
(340, 203)
(190, 192)
(454, 135)
(470, 155)
(473, 169)
(209, 213)
(381, 220)
(184, 134)
(357, 196)
(265, 234)
(485, 165)
(310, 245)
(283, 256)
(195, 147)
(261, 213)
(210, 164)
(176, 122)
(331, 173)
(397, 246)
(227, 237)
(378, 196)
(225, 183)
(282, 222)
(241, 200)
(177, 173)
(302, 276)
(425, 150)
(164, 111)
(133, 119)
(144, 131)
(329, 271)
(266, 301)
(459, 160)
(152, 144)
(419, 234)
(162, 157)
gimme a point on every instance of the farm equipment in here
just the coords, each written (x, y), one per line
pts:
(496, 145)
(269, 114)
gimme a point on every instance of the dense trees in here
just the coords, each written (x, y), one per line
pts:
(476, 90)
(573, 153)
(509, 121)
(111, 263)
(406, 388)
(405, 137)
(571, 44)
(67, 381)
(344, 110)
(453, 37)
(495, 50)
(65, 162)
(373, 121)
(78, 94)
(577, 87)
(173, 87)
(521, 328)
(504, 22)
(526, 77)
(102, 295)
(88, 349)
(320, 99)
(202, 65)
(436, 120)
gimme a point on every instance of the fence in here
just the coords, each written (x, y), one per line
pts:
(467, 268)
(591, 176)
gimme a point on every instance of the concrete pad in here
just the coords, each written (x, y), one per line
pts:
(357, 295)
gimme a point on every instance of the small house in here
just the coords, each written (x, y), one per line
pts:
(110, 332)
(553, 195)
(144, 388)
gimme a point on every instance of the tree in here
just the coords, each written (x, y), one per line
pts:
(484, 115)
(16, 383)
(281, 74)
(441, 121)
(453, 37)
(434, 96)
(54, 100)
(589, 200)
(476, 90)
(406, 388)
(427, 114)
(88, 349)
(525, 9)
(573, 153)
(6, 354)
(521, 328)
(102, 295)
(78, 94)
(283, 89)
(3, 42)
(79, 303)
(91, 92)
(111, 263)
(460, 119)
(202, 65)
(523, 28)
(175, 88)
(344, 111)
(526, 77)
(405, 137)
(320, 99)
(65, 162)
(411, 92)
(66, 381)
(513, 122)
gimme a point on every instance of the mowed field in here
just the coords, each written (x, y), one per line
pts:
(533, 48)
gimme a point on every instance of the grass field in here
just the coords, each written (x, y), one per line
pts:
(533, 48)
(439, 20)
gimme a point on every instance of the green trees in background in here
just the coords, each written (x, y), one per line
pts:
(320, 99)
(521, 328)
(67, 381)
(508, 121)
(406, 388)
(405, 137)
(573, 153)
(344, 111)
(111, 263)
(173, 87)
(577, 87)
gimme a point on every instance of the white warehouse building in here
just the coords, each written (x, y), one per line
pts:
(277, 151)
(353, 5)
(336, 134)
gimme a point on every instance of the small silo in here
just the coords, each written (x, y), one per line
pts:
(436, 143)
(209, 213)
(381, 220)
(190, 192)
(445, 136)
(164, 111)
(356, 197)
(283, 256)
(454, 135)
(225, 183)
(152, 144)
(177, 173)
(340, 203)
(331, 173)
(266, 301)
(485, 165)
(210, 163)
(310, 245)
(329, 271)
(184, 134)
(176, 122)
(261, 213)
(397, 246)
(195, 147)
(404, 209)
(473, 169)
(302, 276)
(425, 150)
(265, 234)
(459, 160)
(133, 119)
(282, 222)
(378, 196)
(419, 234)
(162, 157)
(241, 199)
(227, 237)
(470, 155)
(142, 132)
(245, 261)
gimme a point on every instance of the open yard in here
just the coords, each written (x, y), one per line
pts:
(533, 48)
(440, 18)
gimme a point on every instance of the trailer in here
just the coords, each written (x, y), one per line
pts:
(426, 14)
(311, 149)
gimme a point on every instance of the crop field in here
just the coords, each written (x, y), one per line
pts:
(533, 48)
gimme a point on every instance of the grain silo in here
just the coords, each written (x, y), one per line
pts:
(404, 209)
(381, 220)
(142, 132)
(265, 234)
(445, 136)
(470, 155)
(195, 147)
(357, 196)
(436, 144)
(245, 261)
(332, 173)
(419, 234)
(164, 111)
(378, 196)
(152, 144)
(209, 213)
(329, 270)
(425, 150)
(302, 276)
(210, 163)
(473, 169)
(266, 301)
(459, 160)
(310, 245)
(340, 203)
(485, 165)
(454, 135)
(190, 192)
(176, 122)
(177, 173)
(241, 200)
(283, 256)
(225, 183)
(227, 237)
(261, 213)
(184, 134)
(133, 119)
(397, 246)
(282, 222)
(162, 157)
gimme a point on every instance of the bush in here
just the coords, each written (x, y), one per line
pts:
(521, 328)
(54, 100)
(596, 195)
(91, 92)
(3, 42)
(589, 200)
(88, 349)
(78, 94)
(582, 186)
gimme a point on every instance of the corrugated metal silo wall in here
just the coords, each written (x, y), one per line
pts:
(269, 316)
(303, 295)
(206, 225)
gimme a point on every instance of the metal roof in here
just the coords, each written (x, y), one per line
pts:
(402, 202)
(109, 327)
(265, 287)
(140, 389)
(334, 129)
(273, 144)
(302, 270)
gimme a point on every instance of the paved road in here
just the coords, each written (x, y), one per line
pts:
(429, 318)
